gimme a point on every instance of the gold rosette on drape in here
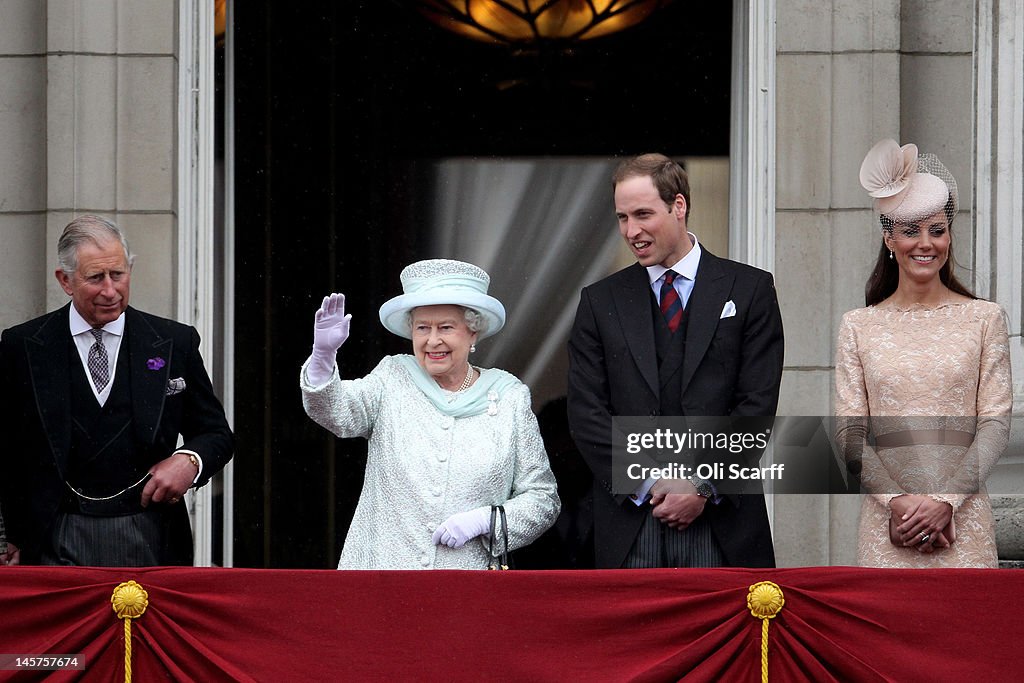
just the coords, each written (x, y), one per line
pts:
(129, 601)
(765, 601)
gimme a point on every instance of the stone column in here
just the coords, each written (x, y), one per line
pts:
(838, 92)
(23, 138)
(87, 124)
(937, 99)
(999, 207)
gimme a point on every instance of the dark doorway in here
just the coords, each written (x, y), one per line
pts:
(340, 108)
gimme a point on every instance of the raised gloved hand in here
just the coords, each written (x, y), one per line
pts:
(462, 527)
(330, 330)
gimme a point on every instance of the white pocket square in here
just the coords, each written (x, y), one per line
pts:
(729, 310)
(175, 386)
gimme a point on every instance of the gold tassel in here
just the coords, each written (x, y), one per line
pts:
(765, 601)
(129, 601)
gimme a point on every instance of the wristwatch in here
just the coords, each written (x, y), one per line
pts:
(703, 487)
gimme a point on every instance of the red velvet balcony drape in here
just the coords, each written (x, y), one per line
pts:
(838, 624)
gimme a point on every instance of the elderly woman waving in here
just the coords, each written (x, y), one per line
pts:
(447, 440)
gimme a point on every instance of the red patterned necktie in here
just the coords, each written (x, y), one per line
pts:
(671, 304)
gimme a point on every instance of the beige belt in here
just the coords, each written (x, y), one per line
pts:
(918, 437)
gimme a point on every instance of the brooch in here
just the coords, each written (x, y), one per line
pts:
(492, 402)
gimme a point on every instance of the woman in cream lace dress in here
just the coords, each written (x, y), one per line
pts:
(925, 370)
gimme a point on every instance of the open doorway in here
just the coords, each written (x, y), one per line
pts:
(357, 126)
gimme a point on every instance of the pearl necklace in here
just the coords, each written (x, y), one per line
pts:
(466, 382)
(465, 385)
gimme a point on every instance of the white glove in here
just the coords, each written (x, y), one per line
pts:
(330, 330)
(462, 527)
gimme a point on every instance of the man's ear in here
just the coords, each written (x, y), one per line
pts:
(679, 206)
(64, 280)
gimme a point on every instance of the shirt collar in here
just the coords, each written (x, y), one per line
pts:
(686, 266)
(79, 325)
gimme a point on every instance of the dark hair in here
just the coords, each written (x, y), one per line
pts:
(668, 177)
(885, 276)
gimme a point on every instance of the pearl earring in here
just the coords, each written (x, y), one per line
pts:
(891, 255)
(472, 348)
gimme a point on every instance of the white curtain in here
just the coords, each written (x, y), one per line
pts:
(542, 229)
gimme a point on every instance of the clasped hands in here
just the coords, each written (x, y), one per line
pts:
(676, 502)
(12, 556)
(922, 522)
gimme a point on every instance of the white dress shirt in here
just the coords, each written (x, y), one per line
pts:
(81, 332)
(686, 268)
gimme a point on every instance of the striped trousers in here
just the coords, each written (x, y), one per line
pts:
(124, 541)
(658, 546)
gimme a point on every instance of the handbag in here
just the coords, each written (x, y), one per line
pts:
(501, 561)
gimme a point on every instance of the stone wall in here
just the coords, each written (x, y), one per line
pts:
(87, 124)
(848, 74)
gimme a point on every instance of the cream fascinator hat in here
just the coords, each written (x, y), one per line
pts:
(906, 187)
(442, 281)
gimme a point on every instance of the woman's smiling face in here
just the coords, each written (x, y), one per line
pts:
(922, 248)
(440, 341)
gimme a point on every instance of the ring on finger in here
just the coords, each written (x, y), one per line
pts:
(925, 537)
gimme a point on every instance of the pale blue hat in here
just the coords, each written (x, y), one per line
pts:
(442, 281)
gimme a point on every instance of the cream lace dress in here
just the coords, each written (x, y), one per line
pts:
(925, 368)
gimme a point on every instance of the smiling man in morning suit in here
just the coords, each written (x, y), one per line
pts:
(95, 396)
(679, 333)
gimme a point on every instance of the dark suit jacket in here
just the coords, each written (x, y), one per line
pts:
(35, 417)
(731, 367)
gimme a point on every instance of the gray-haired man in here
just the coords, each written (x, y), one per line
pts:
(96, 394)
